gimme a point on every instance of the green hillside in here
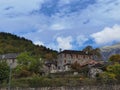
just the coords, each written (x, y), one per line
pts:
(10, 43)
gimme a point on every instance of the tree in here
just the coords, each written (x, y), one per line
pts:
(107, 77)
(81, 69)
(50, 56)
(93, 51)
(21, 71)
(24, 59)
(4, 71)
(36, 66)
(115, 58)
(115, 69)
(112, 73)
(28, 65)
(76, 66)
(88, 49)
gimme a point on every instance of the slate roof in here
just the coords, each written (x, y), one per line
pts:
(74, 52)
(49, 63)
(9, 56)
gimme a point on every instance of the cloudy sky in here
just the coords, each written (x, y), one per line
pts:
(66, 24)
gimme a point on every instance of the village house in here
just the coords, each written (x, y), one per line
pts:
(68, 57)
(63, 62)
(10, 58)
(50, 67)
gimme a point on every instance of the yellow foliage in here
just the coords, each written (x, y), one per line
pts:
(106, 75)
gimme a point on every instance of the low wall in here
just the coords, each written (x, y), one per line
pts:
(103, 87)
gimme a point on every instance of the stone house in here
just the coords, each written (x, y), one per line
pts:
(68, 57)
(50, 67)
(10, 58)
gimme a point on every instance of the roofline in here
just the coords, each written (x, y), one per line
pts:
(74, 52)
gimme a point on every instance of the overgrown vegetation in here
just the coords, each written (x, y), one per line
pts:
(112, 72)
(4, 72)
(10, 43)
(27, 66)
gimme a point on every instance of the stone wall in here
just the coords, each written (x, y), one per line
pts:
(103, 87)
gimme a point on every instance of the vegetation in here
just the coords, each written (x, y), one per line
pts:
(30, 63)
(115, 58)
(112, 71)
(4, 71)
(27, 66)
(28, 75)
(83, 70)
(93, 51)
(10, 43)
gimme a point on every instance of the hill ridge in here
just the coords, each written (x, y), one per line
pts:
(10, 43)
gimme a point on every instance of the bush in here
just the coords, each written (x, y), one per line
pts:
(107, 78)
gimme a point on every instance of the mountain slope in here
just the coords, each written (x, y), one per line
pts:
(10, 43)
(107, 51)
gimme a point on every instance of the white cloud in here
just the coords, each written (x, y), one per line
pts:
(64, 42)
(38, 43)
(57, 27)
(81, 39)
(107, 35)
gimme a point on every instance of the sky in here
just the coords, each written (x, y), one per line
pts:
(65, 24)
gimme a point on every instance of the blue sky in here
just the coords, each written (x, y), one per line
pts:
(66, 24)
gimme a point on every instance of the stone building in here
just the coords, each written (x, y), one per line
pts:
(50, 67)
(10, 58)
(68, 57)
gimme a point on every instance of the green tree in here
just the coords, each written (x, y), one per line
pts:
(28, 65)
(111, 74)
(93, 51)
(24, 59)
(115, 69)
(107, 77)
(115, 58)
(4, 71)
(36, 66)
(21, 71)
(88, 49)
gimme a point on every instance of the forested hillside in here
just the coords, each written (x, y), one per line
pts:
(10, 43)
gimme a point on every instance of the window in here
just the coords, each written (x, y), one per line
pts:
(69, 61)
(13, 60)
(65, 55)
(71, 56)
(58, 67)
(64, 61)
(76, 56)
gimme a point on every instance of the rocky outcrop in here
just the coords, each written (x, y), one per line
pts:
(107, 51)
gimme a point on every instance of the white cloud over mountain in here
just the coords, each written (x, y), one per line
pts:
(107, 35)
